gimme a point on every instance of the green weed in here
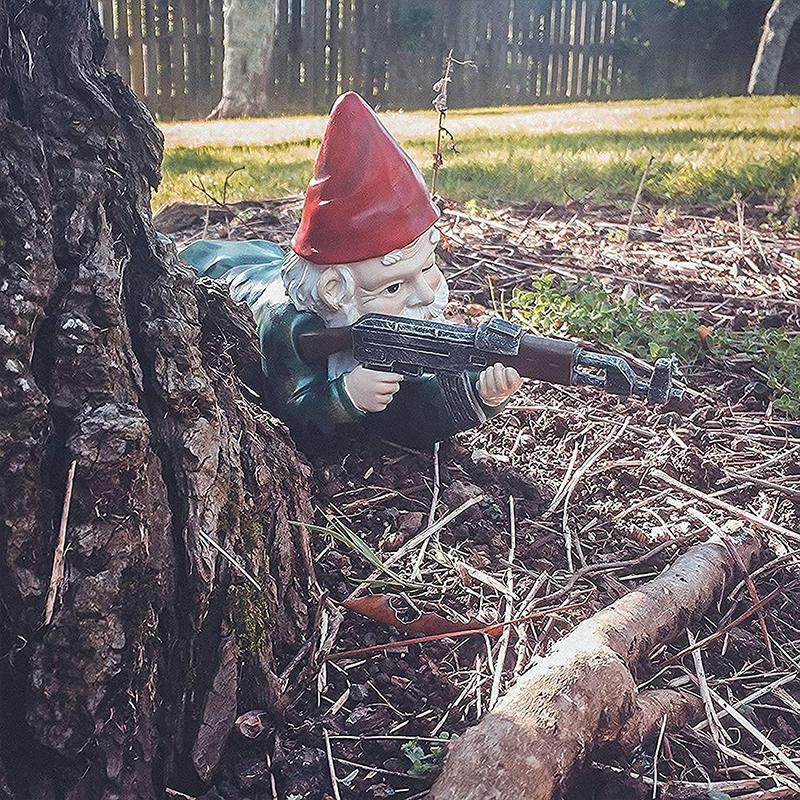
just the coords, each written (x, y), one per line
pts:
(340, 532)
(586, 311)
(423, 762)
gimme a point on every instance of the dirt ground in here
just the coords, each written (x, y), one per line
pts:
(557, 503)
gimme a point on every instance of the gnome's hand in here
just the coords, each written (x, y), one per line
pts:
(371, 390)
(497, 383)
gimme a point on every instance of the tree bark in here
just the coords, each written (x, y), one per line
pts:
(583, 694)
(112, 357)
(778, 24)
(249, 37)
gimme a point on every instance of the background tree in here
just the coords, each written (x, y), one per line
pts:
(249, 37)
(780, 20)
(129, 677)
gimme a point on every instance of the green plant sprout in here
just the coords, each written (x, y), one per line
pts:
(585, 310)
(421, 762)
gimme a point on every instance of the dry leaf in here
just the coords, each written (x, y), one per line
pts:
(475, 310)
(378, 607)
(252, 724)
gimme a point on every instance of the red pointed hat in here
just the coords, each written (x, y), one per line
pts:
(367, 197)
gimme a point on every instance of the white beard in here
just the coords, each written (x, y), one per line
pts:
(342, 363)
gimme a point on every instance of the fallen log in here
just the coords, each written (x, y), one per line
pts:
(583, 694)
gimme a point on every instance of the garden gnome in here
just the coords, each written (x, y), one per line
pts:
(366, 244)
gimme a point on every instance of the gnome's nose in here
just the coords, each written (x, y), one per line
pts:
(424, 294)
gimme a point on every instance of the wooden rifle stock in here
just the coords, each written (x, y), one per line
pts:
(316, 345)
(542, 359)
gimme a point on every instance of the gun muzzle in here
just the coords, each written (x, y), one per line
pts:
(616, 376)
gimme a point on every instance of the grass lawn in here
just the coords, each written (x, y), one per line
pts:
(705, 151)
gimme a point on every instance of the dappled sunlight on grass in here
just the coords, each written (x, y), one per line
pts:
(704, 152)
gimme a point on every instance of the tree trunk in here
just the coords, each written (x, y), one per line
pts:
(249, 37)
(781, 16)
(113, 358)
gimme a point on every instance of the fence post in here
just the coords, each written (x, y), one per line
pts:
(136, 55)
(388, 50)
(122, 49)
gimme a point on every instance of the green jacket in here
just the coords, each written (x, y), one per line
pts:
(301, 394)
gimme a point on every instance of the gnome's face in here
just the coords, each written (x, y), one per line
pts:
(404, 283)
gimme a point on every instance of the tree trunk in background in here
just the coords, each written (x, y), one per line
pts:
(248, 39)
(111, 356)
(781, 16)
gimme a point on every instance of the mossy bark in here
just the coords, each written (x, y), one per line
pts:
(112, 356)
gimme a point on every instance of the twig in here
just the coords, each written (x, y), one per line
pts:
(754, 596)
(784, 793)
(792, 494)
(436, 484)
(573, 482)
(57, 573)
(755, 519)
(468, 686)
(331, 767)
(230, 214)
(656, 754)
(717, 731)
(440, 104)
(636, 200)
(503, 649)
(740, 219)
(230, 558)
(725, 628)
(757, 766)
(610, 566)
(415, 573)
(742, 567)
(756, 733)
(488, 630)
(225, 185)
(272, 785)
(414, 541)
(752, 697)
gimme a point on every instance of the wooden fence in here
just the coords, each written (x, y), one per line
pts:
(170, 51)
(391, 51)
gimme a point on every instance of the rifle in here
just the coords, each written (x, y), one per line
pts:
(419, 347)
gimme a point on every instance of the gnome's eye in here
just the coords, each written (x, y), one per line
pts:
(393, 289)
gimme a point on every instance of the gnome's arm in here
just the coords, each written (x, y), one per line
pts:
(315, 407)
(418, 415)
(297, 392)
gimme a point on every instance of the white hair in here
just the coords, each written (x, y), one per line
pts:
(301, 279)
